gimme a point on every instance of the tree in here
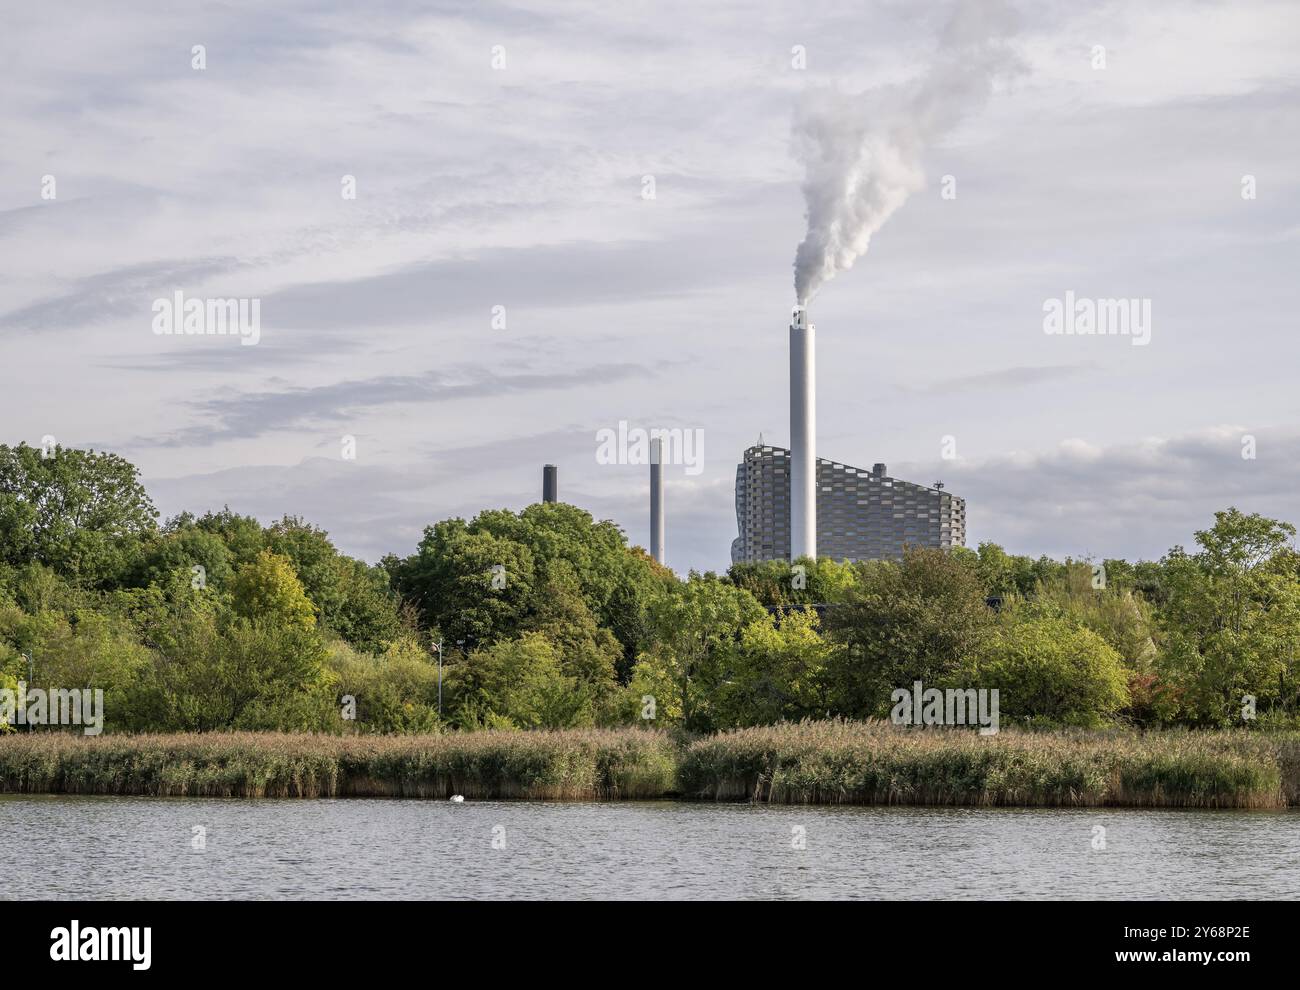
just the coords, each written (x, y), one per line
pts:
(82, 513)
(351, 598)
(696, 627)
(258, 674)
(777, 584)
(396, 691)
(37, 588)
(243, 535)
(777, 673)
(1120, 617)
(85, 650)
(1231, 625)
(1049, 671)
(517, 683)
(449, 575)
(588, 653)
(917, 619)
(451, 581)
(179, 550)
(268, 589)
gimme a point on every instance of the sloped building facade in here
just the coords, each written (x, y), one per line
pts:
(861, 515)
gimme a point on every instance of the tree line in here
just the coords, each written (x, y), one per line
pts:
(548, 618)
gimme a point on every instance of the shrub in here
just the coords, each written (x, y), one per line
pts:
(1050, 671)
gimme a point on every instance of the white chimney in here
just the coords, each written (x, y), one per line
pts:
(803, 436)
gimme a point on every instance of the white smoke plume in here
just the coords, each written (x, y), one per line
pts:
(862, 153)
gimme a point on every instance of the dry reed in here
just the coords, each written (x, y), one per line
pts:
(832, 762)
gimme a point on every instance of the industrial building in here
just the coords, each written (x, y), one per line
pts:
(860, 514)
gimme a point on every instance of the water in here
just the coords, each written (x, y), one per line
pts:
(92, 848)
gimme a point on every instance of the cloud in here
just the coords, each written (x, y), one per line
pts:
(243, 415)
(1131, 500)
(1003, 378)
(116, 292)
(522, 188)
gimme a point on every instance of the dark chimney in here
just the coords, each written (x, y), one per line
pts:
(878, 470)
(550, 483)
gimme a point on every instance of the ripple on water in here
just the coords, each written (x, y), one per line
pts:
(118, 847)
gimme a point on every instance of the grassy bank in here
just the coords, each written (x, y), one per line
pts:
(874, 763)
(814, 763)
(566, 765)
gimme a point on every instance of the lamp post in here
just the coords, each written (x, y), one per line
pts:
(31, 676)
(438, 646)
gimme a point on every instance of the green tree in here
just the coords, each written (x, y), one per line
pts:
(267, 588)
(588, 653)
(1049, 671)
(916, 619)
(352, 598)
(180, 549)
(451, 581)
(776, 584)
(1119, 616)
(258, 674)
(517, 683)
(85, 650)
(82, 513)
(778, 672)
(696, 627)
(445, 578)
(396, 691)
(242, 535)
(1231, 625)
(37, 588)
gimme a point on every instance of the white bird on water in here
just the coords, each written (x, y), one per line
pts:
(458, 799)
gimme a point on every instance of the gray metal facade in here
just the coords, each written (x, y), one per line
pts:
(861, 515)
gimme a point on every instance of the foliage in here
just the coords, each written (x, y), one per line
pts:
(778, 673)
(241, 674)
(1049, 671)
(1231, 626)
(775, 584)
(522, 683)
(351, 598)
(268, 588)
(79, 512)
(695, 632)
(919, 619)
(547, 617)
(450, 577)
(394, 692)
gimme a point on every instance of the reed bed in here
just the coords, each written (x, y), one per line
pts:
(832, 762)
(839, 762)
(562, 765)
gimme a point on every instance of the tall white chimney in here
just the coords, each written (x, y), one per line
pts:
(803, 436)
(656, 500)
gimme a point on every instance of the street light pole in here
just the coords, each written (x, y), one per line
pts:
(31, 676)
(438, 647)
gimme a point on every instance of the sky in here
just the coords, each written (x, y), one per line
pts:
(504, 286)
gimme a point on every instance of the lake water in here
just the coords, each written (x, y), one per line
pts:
(120, 847)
